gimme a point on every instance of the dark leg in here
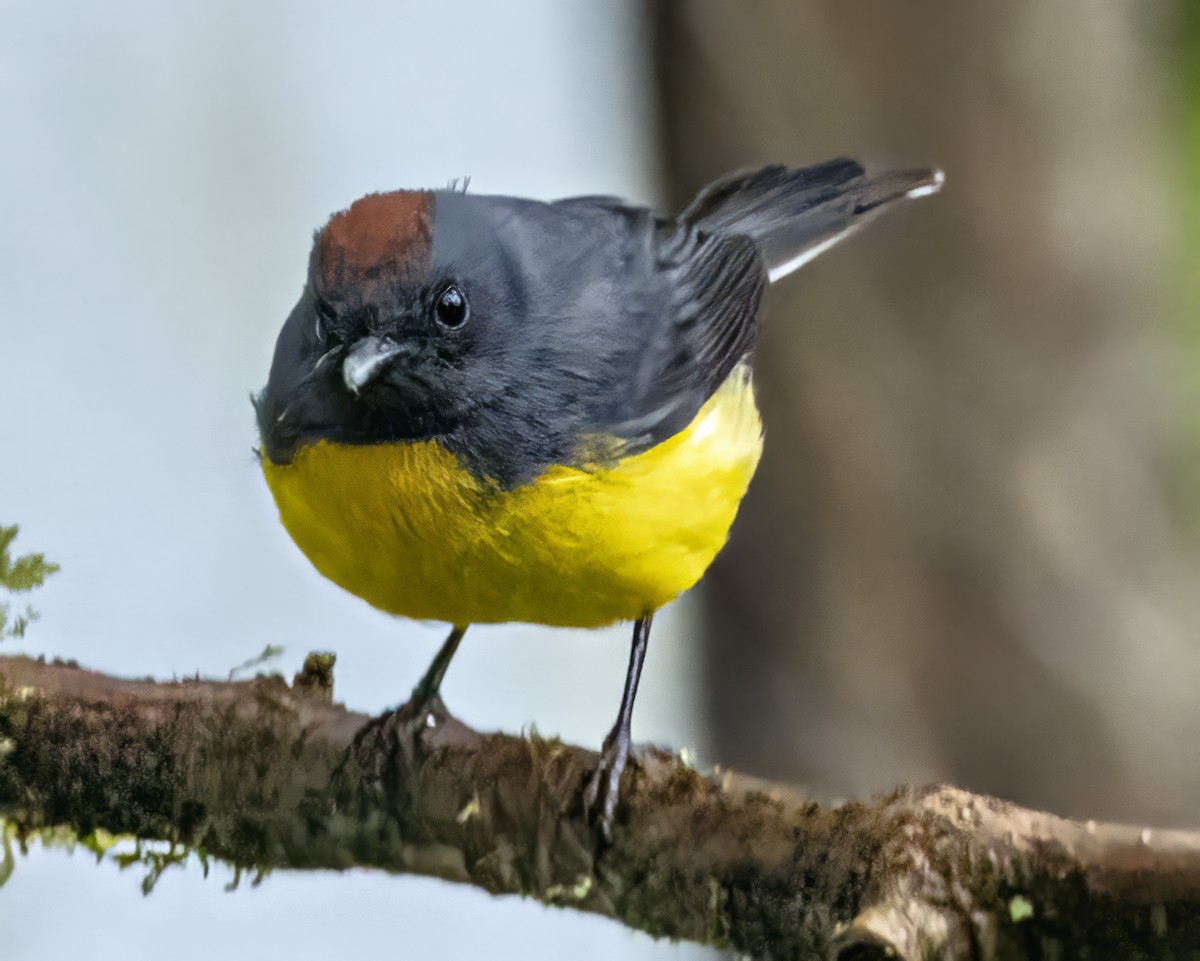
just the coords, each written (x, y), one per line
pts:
(600, 798)
(427, 689)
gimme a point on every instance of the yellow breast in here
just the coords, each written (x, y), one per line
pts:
(408, 529)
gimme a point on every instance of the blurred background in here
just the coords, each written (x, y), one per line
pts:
(970, 553)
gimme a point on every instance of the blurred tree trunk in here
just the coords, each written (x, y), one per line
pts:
(957, 560)
(1186, 118)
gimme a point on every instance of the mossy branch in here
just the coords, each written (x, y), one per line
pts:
(266, 775)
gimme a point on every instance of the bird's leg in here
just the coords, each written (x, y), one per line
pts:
(426, 691)
(600, 797)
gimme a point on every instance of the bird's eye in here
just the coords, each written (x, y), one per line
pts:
(450, 308)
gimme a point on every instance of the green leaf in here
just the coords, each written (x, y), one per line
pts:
(18, 576)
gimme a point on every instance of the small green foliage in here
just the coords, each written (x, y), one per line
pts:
(1020, 908)
(568, 893)
(317, 674)
(7, 860)
(470, 810)
(268, 653)
(153, 856)
(98, 842)
(19, 575)
(159, 861)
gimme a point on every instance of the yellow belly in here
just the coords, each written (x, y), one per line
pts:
(407, 529)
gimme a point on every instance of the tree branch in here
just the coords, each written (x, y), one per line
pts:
(266, 775)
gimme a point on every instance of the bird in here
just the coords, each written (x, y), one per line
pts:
(488, 409)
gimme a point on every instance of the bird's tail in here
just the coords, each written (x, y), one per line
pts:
(795, 214)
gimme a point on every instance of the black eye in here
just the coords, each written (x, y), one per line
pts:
(450, 308)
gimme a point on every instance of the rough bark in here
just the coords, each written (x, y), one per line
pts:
(266, 775)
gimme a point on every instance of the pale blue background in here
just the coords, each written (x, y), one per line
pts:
(163, 168)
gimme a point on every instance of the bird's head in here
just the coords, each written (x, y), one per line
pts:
(377, 347)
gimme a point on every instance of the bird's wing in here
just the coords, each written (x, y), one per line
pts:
(698, 323)
(693, 316)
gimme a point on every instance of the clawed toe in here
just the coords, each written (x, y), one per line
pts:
(603, 788)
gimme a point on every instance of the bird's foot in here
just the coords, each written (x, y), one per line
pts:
(424, 708)
(425, 703)
(603, 789)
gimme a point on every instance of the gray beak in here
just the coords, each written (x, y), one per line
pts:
(366, 361)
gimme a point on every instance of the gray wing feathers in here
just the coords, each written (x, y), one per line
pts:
(794, 215)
